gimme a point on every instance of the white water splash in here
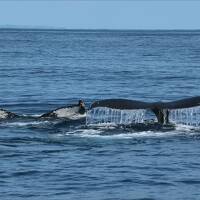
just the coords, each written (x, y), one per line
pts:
(84, 132)
(102, 115)
(33, 115)
(186, 116)
(24, 124)
(105, 116)
(131, 134)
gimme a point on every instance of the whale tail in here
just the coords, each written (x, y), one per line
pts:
(160, 109)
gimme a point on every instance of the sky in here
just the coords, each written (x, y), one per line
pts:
(102, 14)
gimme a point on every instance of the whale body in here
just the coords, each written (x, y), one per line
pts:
(4, 114)
(72, 112)
(78, 111)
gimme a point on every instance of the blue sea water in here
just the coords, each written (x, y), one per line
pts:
(41, 70)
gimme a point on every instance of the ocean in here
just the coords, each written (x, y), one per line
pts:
(41, 70)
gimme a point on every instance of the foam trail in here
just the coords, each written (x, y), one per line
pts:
(103, 133)
(24, 124)
(114, 116)
(186, 116)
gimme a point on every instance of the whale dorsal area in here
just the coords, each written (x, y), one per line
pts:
(4, 114)
(70, 112)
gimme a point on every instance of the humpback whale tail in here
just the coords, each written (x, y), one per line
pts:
(161, 110)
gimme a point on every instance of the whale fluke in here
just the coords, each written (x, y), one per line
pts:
(122, 104)
(160, 109)
(183, 103)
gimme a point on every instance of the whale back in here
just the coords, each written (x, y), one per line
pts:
(4, 114)
(69, 112)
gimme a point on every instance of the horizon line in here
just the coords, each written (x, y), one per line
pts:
(97, 29)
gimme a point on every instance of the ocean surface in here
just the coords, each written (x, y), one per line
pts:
(41, 70)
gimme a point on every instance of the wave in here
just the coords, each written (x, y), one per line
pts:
(25, 124)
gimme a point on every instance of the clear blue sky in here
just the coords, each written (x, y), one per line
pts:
(102, 14)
